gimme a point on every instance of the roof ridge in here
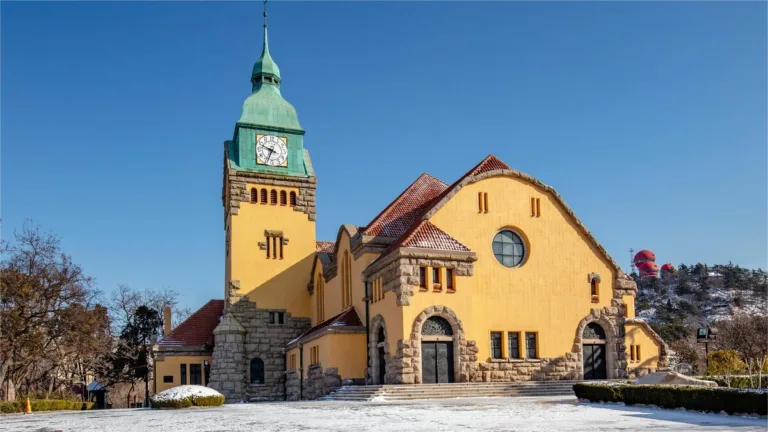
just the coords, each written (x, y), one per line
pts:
(400, 197)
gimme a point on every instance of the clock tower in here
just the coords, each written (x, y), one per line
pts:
(268, 197)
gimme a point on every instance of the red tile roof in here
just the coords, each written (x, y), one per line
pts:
(197, 330)
(406, 209)
(426, 235)
(490, 163)
(347, 318)
(325, 246)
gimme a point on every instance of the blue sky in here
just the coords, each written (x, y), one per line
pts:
(649, 118)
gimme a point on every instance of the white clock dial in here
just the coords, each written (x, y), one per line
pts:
(271, 150)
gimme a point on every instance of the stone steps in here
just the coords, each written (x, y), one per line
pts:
(458, 390)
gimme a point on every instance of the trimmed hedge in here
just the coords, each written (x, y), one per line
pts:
(201, 401)
(19, 406)
(732, 401)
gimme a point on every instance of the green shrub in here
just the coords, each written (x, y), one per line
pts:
(173, 403)
(598, 392)
(732, 401)
(43, 405)
(208, 400)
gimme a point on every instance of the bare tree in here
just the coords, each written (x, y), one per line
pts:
(746, 334)
(48, 308)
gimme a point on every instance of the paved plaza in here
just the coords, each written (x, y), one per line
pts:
(484, 414)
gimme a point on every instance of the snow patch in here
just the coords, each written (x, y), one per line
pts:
(184, 391)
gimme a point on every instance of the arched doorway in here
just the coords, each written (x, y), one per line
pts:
(594, 352)
(380, 342)
(257, 371)
(437, 351)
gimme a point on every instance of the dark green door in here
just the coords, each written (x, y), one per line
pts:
(594, 362)
(436, 362)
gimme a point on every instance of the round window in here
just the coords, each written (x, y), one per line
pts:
(508, 248)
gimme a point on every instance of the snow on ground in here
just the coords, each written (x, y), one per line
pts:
(184, 391)
(487, 414)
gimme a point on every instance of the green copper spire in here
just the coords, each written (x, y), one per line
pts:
(265, 66)
(266, 106)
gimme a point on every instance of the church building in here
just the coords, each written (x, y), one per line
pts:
(487, 278)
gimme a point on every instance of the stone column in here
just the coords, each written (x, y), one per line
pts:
(228, 375)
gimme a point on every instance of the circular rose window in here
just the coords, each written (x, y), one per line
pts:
(508, 248)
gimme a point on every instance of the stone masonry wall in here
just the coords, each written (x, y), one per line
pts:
(305, 199)
(320, 383)
(292, 386)
(259, 339)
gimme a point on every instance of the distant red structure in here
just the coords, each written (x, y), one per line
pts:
(645, 261)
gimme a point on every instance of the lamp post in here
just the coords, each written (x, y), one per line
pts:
(705, 335)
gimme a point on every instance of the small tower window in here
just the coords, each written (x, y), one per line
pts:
(263, 196)
(273, 197)
(293, 199)
(254, 195)
(283, 198)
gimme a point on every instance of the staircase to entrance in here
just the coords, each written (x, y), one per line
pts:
(403, 392)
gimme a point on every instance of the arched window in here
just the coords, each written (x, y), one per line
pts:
(380, 338)
(273, 197)
(257, 371)
(263, 196)
(594, 331)
(254, 195)
(436, 326)
(283, 199)
(595, 287)
(293, 199)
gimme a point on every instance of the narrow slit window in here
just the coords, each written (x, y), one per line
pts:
(264, 196)
(293, 199)
(273, 197)
(530, 346)
(254, 195)
(480, 202)
(538, 207)
(281, 247)
(436, 283)
(449, 280)
(423, 277)
(637, 353)
(485, 202)
(514, 344)
(283, 198)
(533, 207)
(268, 247)
(496, 345)
(274, 247)
(631, 353)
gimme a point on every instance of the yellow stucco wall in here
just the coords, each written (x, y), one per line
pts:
(171, 365)
(343, 351)
(272, 283)
(548, 294)
(333, 287)
(637, 334)
(629, 301)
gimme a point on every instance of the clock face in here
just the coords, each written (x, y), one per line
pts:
(271, 150)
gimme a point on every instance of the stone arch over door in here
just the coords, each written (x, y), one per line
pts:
(377, 348)
(612, 343)
(458, 338)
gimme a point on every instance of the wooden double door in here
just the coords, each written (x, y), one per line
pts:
(594, 362)
(436, 362)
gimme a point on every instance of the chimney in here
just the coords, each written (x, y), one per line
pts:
(167, 321)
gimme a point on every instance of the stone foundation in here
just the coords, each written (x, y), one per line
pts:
(245, 333)
(320, 383)
(292, 386)
(544, 369)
